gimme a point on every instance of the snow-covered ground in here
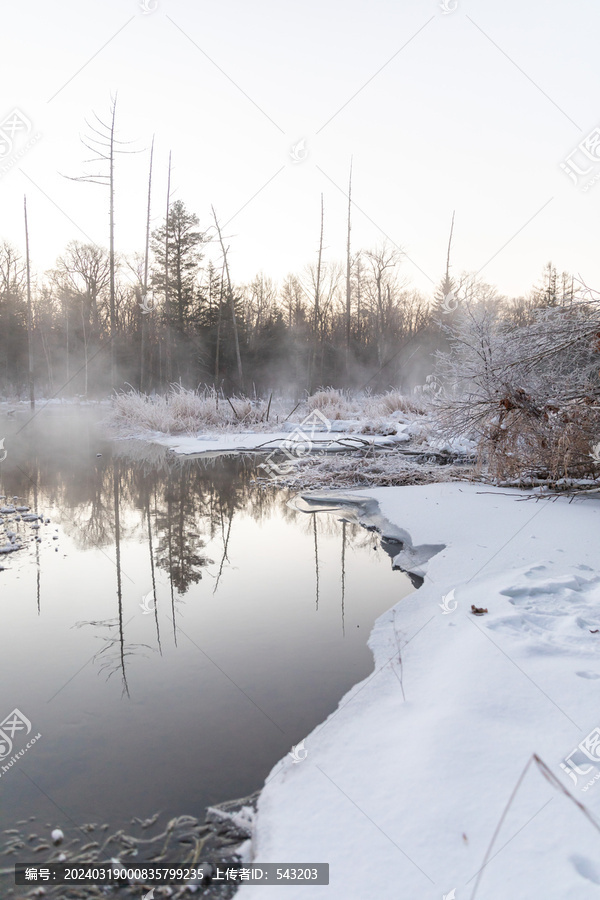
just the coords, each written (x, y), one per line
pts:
(423, 783)
(23, 406)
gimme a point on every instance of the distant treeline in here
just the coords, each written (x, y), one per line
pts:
(177, 315)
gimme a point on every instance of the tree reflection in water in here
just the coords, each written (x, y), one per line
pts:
(134, 491)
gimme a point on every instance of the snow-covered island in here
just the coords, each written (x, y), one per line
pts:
(317, 444)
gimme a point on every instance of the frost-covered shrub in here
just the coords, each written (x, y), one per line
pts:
(394, 402)
(332, 403)
(529, 396)
(336, 404)
(549, 441)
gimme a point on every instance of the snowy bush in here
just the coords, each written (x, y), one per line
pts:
(394, 402)
(335, 404)
(529, 396)
(332, 403)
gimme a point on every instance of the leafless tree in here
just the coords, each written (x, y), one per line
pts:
(232, 302)
(348, 273)
(103, 142)
(29, 312)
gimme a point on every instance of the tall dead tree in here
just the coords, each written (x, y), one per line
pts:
(348, 272)
(316, 309)
(29, 312)
(449, 248)
(445, 301)
(103, 142)
(167, 300)
(219, 313)
(232, 302)
(146, 258)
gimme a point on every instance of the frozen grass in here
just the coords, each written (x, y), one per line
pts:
(395, 402)
(333, 404)
(337, 404)
(184, 411)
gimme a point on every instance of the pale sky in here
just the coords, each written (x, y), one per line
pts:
(472, 110)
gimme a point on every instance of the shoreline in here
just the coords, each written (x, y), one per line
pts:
(455, 707)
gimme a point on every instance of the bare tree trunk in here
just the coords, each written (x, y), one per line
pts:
(46, 349)
(85, 353)
(146, 256)
(29, 312)
(111, 250)
(348, 266)
(232, 301)
(167, 299)
(449, 246)
(67, 336)
(103, 143)
(219, 331)
(313, 358)
(358, 298)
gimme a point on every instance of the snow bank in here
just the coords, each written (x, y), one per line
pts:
(404, 785)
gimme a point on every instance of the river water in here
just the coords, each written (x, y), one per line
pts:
(175, 631)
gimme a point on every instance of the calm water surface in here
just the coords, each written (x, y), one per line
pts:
(258, 624)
